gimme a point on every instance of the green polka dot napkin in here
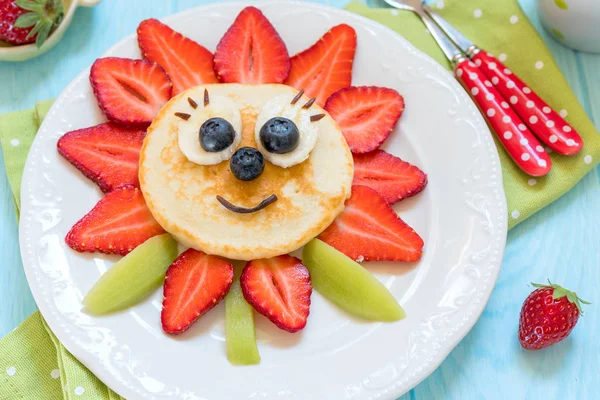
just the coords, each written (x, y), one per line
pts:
(34, 364)
(501, 28)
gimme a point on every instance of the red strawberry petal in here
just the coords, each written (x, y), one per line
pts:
(366, 114)
(279, 288)
(251, 51)
(326, 66)
(119, 223)
(107, 154)
(391, 177)
(369, 230)
(195, 283)
(130, 92)
(187, 63)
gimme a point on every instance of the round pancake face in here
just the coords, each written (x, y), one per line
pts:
(182, 194)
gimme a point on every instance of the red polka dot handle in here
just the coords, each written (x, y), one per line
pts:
(543, 121)
(514, 135)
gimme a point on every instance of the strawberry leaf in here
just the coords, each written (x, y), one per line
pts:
(538, 285)
(35, 30)
(42, 35)
(29, 5)
(26, 20)
(558, 293)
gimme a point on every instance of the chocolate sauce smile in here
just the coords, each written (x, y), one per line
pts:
(242, 210)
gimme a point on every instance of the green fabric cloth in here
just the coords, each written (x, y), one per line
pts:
(33, 363)
(502, 28)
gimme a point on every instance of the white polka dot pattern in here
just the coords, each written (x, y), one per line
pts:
(545, 123)
(519, 143)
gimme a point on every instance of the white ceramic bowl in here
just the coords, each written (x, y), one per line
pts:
(575, 23)
(25, 52)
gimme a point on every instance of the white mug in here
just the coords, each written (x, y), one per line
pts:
(575, 23)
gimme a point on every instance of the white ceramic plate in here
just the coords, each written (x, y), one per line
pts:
(461, 216)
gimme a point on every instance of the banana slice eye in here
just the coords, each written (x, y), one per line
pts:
(212, 132)
(285, 133)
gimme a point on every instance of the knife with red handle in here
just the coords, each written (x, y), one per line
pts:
(514, 135)
(541, 119)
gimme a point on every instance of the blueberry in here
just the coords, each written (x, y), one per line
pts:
(247, 163)
(279, 135)
(216, 134)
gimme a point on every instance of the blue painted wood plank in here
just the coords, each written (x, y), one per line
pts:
(559, 243)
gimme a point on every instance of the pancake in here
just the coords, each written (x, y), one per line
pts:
(182, 195)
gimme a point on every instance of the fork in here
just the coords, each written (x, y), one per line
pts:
(514, 135)
(545, 123)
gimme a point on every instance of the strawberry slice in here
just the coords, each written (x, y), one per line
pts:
(107, 154)
(187, 63)
(119, 223)
(251, 51)
(194, 284)
(279, 288)
(391, 177)
(369, 230)
(326, 66)
(130, 92)
(366, 114)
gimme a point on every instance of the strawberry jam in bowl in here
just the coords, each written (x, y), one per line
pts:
(263, 200)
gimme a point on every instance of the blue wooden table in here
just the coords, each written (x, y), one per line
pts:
(560, 242)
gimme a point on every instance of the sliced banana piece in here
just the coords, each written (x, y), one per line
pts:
(280, 107)
(189, 131)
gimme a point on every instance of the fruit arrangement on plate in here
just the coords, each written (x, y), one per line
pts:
(242, 157)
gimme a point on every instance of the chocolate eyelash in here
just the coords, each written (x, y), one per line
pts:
(183, 116)
(317, 117)
(206, 98)
(309, 103)
(297, 97)
(192, 103)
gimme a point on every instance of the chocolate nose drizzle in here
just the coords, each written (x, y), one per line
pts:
(243, 210)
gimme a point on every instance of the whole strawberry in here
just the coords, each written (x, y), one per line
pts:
(548, 315)
(28, 21)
